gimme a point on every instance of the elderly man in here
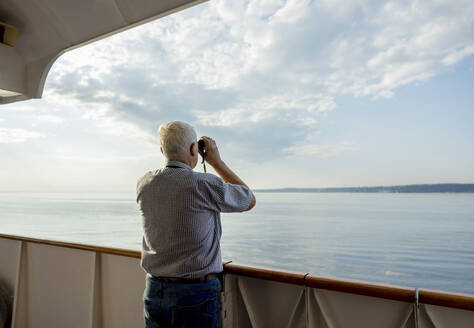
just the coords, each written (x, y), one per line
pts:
(182, 229)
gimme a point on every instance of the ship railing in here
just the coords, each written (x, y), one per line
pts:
(54, 284)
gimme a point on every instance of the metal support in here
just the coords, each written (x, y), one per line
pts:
(16, 293)
(304, 278)
(417, 307)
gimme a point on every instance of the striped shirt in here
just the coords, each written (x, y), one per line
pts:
(181, 219)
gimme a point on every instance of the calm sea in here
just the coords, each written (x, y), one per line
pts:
(417, 240)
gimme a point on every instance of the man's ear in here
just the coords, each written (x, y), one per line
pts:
(192, 148)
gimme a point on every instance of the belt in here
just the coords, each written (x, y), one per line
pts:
(207, 277)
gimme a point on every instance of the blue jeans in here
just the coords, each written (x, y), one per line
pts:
(182, 304)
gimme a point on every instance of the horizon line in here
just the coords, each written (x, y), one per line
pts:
(256, 189)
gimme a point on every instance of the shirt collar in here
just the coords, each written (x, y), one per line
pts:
(179, 164)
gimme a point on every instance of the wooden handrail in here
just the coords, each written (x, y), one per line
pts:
(398, 293)
(100, 249)
(403, 294)
(452, 300)
(295, 278)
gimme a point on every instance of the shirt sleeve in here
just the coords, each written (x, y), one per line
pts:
(227, 197)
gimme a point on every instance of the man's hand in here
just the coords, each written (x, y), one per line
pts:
(212, 152)
(214, 159)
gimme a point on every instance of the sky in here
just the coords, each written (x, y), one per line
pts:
(296, 93)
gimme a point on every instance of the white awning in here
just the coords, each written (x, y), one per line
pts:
(48, 28)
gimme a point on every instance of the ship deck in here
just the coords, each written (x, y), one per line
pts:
(54, 284)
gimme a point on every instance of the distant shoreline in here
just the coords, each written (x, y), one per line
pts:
(415, 188)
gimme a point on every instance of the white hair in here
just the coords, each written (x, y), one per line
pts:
(176, 138)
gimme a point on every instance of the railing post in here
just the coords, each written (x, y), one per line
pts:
(16, 291)
(416, 308)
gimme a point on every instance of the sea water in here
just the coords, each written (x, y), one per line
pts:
(416, 240)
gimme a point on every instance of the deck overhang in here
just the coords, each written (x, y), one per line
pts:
(49, 28)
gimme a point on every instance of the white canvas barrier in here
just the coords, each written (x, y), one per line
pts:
(56, 286)
(251, 302)
(63, 287)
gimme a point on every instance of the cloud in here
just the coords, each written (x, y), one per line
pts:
(74, 155)
(291, 108)
(458, 55)
(47, 119)
(256, 73)
(13, 135)
(321, 150)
